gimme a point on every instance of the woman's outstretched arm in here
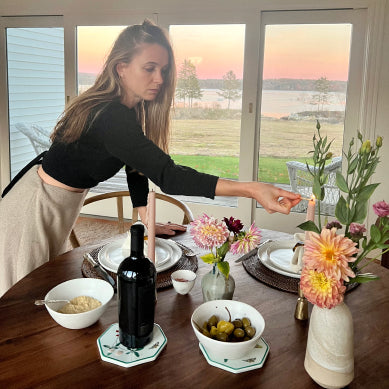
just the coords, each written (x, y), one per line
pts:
(272, 198)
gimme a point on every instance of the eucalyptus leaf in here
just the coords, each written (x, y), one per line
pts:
(362, 278)
(375, 233)
(316, 189)
(360, 212)
(208, 258)
(224, 267)
(341, 211)
(223, 250)
(366, 192)
(325, 141)
(341, 182)
(309, 225)
(382, 246)
(352, 166)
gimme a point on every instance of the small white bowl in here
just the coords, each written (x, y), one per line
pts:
(238, 310)
(92, 287)
(183, 281)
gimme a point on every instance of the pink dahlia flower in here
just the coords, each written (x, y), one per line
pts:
(246, 241)
(320, 289)
(208, 232)
(330, 253)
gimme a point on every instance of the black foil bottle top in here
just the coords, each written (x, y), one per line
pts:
(137, 239)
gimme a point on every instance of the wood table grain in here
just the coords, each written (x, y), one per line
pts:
(35, 352)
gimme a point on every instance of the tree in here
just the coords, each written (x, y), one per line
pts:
(188, 85)
(231, 89)
(322, 86)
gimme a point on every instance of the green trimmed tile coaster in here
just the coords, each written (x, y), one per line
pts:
(255, 359)
(111, 350)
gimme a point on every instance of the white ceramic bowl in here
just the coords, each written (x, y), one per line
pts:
(183, 281)
(238, 310)
(92, 287)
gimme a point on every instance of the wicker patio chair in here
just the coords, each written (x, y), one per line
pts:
(38, 137)
(301, 182)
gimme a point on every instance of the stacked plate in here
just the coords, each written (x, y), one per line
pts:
(167, 254)
(277, 256)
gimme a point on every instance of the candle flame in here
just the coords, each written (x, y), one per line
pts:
(313, 198)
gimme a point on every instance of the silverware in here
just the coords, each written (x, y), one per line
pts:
(43, 302)
(100, 270)
(250, 253)
(186, 250)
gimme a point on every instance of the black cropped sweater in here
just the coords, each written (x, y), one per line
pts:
(115, 139)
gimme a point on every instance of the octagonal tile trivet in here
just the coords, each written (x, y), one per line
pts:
(111, 350)
(255, 359)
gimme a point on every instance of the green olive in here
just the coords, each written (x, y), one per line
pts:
(239, 333)
(250, 331)
(237, 323)
(222, 336)
(212, 321)
(213, 331)
(206, 333)
(246, 322)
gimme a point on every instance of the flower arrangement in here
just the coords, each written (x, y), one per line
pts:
(223, 236)
(333, 260)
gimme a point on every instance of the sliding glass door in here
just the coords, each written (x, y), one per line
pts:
(306, 75)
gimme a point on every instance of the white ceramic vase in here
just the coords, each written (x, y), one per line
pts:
(329, 357)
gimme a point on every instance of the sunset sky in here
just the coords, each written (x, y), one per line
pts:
(291, 51)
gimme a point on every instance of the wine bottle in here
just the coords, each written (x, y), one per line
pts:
(136, 294)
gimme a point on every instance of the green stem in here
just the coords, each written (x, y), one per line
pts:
(371, 260)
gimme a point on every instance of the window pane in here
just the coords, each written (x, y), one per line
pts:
(207, 114)
(305, 75)
(35, 63)
(93, 45)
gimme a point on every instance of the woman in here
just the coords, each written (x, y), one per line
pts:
(123, 119)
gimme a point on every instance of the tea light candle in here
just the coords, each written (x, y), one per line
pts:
(151, 226)
(311, 209)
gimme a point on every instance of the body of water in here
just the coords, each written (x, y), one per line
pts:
(275, 103)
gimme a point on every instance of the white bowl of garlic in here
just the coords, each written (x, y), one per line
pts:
(88, 298)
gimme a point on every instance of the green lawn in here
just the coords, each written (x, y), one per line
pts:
(212, 146)
(271, 169)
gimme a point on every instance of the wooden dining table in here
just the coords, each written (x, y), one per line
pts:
(36, 352)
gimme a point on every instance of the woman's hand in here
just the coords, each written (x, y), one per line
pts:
(272, 198)
(168, 228)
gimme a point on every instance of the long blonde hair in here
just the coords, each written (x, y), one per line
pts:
(154, 116)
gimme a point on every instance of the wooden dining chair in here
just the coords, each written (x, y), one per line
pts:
(187, 213)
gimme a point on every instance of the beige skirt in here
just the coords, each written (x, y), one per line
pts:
(35, 221)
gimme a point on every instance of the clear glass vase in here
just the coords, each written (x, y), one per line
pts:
(216, 286)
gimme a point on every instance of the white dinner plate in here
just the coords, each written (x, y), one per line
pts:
(167, 254)
(263, 257)
(280, 254)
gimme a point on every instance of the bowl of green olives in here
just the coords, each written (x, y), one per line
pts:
(227, 328)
